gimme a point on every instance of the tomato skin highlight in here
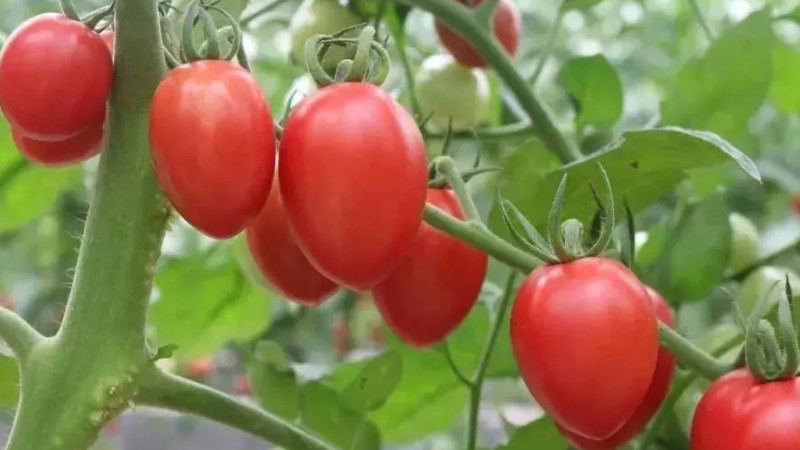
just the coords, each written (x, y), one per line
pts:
(577, 323)
(658, 390)
(738, 412)
(213, 145)
(436, 285)
(72, 150)
(507, 29)
(353, 180)
(55, 78)
(279, 258)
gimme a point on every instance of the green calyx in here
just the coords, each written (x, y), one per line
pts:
(104, 14)
(364, 67)
(565, 240)
(771, 354)
(218, 43)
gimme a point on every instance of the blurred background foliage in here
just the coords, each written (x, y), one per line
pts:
(617, 66)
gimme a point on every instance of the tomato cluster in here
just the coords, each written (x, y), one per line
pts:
(55, 79)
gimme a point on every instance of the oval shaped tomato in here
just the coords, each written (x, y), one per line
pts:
(55, 78)
(436, 285)
(75, 149)
(278, 257)
(507, 25)
(353, 179)
(579, 324)
(744, 243)
(449, 91)
(659, 387)
(322, 17)
(213, 145)
(740, 413)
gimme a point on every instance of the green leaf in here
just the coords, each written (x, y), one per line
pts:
(204, 302)
(580, 4)
(542, 432)
(324, 414)
(374, 384)
(721, 90)
(643, 166)
(274, 382)
(595, 90)
(9, 382)
(28, 191)
(785, 91)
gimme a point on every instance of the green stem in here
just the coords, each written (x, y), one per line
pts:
(12, 171)
(400, 44)
(179, 394)
(18, 335)
(483, 364)
(446, 166)
(698, 14)
(691, 356)
(463, 21)
(445, 349)
(548, 47)
(264, 9)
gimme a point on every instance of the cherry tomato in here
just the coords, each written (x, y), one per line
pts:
(55, 78)
(242, 385)
(436, 285)
(108, 37)
(507, 25)
(279, 258)
(579, 324)
(740, 413)
(353, 180)
(321, 17)
(449, 91)
(744, 243)
(200, 368)
(75, 149)
(213, 145)
(659, 387)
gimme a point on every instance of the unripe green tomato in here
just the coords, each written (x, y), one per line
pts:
(760, 282)
(322, 17)
(744, 243)
(446, 89)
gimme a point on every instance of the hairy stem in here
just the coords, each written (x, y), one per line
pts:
(688, 354)
(548, 47)
(18, 335)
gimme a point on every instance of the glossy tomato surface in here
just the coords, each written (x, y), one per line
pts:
(74, 149)
(213, 145)
(436, 285)
(278, 257)
(507, 26)
(737, 412)
(585, 338)
(659, 387)
(55, 78)
(353, 180)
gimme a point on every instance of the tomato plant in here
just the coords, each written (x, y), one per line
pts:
(320, 17)
(55, 64)
(213, 145)
(450, 93)
(275, 251)
(435, 286)
(353, 222)
(506, 26)
(744, 242)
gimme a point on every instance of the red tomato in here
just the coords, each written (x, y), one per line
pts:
(242, 385)
(279, 258)
(55, 78)
(7, 302)
(436, 285)
(108, 37)
(200, 368)
(353, 179)
(585, 339)
(507, 25)
(213, 145)
(659, 387)
(737, 412)
(75, 149)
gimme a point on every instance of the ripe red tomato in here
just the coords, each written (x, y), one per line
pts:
(353, 179)
(213, 145)
(436, 285)
(75, 149)
(578, 324)
(108, 37)
(200, 368)
(55, 78)
(659, 387)
(737, 412)
(242, 385)
(507, 25)
(279, 258)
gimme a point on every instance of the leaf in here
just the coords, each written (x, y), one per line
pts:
(595, 89)
(721, 90)
(324, 414)
(374, 384)
(542, 432)
(580, 4)
(274, 382)
(643, 166)
(9, 382)
(784, 90)
(205, 302)
(28, 191)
